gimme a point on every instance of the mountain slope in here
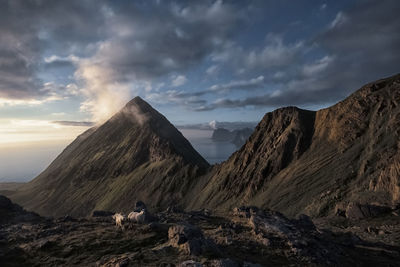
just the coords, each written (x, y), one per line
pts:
(137, 154)
(300, 161)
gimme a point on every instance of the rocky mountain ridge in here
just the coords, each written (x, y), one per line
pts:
(297, 161)
(316, 162)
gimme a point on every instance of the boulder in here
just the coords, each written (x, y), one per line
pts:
(179, 234)
(305, 222)
(190, 240)
(357, 211)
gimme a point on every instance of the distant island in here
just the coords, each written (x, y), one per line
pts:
(237, 137)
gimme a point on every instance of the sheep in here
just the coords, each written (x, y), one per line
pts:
(119, 219)
(138, 217)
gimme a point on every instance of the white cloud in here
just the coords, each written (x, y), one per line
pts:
(339, 20)
(72, 89)
(241, 84)
(55, 58)
(274, 54)
(104, 95)
(212, 70)
(179, 81)
(317, 66)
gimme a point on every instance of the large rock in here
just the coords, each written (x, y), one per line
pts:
(360, 211)
(304, 240)
(12, 213)
(190, 240)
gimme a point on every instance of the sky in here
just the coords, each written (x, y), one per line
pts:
(68, 65)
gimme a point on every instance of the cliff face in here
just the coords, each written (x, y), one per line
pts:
(137, 154)
(313, 162)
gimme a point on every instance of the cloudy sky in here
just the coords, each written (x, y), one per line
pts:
(67, 64)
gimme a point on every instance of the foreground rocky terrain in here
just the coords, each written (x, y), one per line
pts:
(245, 236)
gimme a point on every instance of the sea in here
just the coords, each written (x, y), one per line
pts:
(213, 152)
(22, 163)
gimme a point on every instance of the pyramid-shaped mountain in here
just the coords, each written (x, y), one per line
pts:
(316, 162)
(136, 155)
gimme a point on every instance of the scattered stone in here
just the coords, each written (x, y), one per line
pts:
(166, 265)
(245, 212)
(44, 244)
(173, 209)
(224, 263)
(190, 263)
(102, 213)
(66, 218)
(249, 264)
(123, 263)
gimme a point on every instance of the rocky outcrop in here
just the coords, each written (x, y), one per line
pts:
(241, 136)
(190, 240)
(280, 138)
(361, 211)
(11, 213)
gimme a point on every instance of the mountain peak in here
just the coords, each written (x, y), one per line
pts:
(135, 155)
(140, 105)
(138, 111)
(137, 100)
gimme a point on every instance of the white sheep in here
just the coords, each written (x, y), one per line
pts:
(138, 217)
(119, 219)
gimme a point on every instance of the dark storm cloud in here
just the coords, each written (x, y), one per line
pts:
(361, 45)
(29, 27)
(172, 37)
(286, 98)
(366, 43)
(192, 99)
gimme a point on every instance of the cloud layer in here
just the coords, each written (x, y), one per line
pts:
(191, 54)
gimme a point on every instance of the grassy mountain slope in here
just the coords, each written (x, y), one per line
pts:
(137, 154)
